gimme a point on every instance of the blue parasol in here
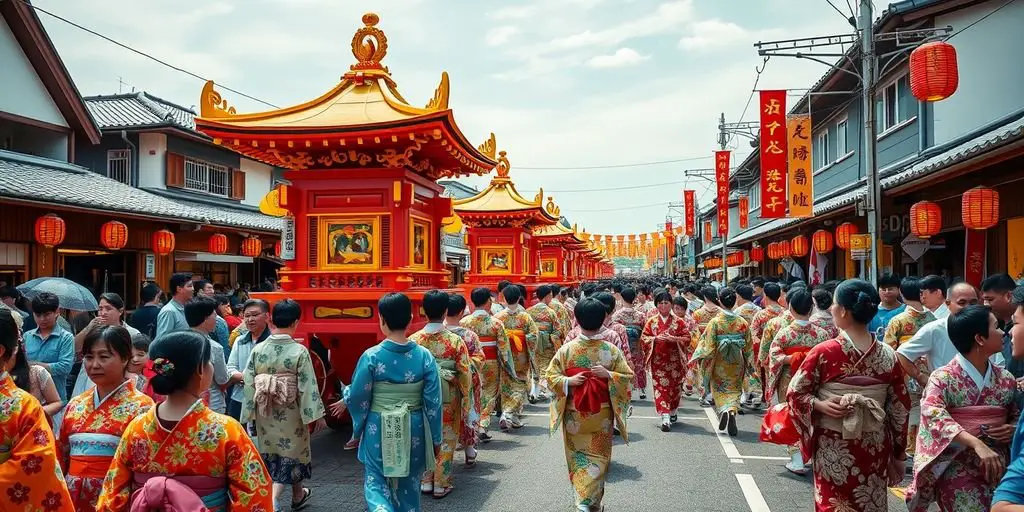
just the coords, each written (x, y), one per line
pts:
(72, 295)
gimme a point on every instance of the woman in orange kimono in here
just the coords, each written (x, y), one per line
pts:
(180, 451)
(30, 479)
(95, 419)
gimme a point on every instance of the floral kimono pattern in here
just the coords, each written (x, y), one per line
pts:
(396, 363)
(794, 340)
(747, 311)
(633, 322)
(283, 436)
(824, 320)
(452, 357)
(30, 478)
(703, 315)
(522, 336)
(945, 471)
(901, 328)
(612, 333)
(89, 435)
(564, 318)
(202, 444)
(761, 319)
(667, 358)
(725, 355)
(476, 365)
(768, 334)
(850, 474)
(587, 436)
(498, 369)
(549, 337)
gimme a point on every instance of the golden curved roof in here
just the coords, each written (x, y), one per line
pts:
(501, 197)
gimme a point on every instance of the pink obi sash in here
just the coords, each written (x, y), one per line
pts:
(972, 418)
(154, 492)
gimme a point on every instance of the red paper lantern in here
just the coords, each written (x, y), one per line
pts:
(822, 241)
(757, 254)
(933, 71)
(707, 232)
(785, 249)
(251, 247)
(50, 230)
(218, 243)
(773, 251)
(114, 235)
(980, 208)
(844, 232)
(800, 246)
(277, 249)
(925, 219)
(163, 242)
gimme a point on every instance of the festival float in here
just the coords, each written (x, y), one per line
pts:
(363, 199)
(561, 251)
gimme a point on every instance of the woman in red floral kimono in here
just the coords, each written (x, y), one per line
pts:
(666, 341)
(849, 403)
(966, 412)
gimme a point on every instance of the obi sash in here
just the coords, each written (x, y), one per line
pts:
(394, 402)
(446, 371)
(592, 395)
(517, 338)
(178, 493)
(973, 417)
(91, 454)
(731, 345)
(489, 344)
(274, 390)
(867, 400)
(544, 330)
(796, 357)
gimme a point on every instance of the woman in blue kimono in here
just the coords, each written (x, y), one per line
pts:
(395, 389)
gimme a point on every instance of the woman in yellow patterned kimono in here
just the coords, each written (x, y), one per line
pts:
(456, 312)
(725, 354)
(592, 385)
(453, 366)
(498, 366)
(522, 335)
(549, 338)
(180, 451)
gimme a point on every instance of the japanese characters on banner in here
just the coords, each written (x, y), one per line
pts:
(801, 181)
(288, 239)
(722, 190)
(690, 207)
(974, 256)
(744, 211)
(773, 154)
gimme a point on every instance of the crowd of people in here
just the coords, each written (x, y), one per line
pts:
(217, 411)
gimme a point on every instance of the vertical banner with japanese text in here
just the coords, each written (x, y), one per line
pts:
(773, 154)
(744, 211)
(690, 208)
(974, 256)
(722, 190)
(801, 181)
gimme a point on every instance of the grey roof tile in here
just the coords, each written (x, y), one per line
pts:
(137, 110)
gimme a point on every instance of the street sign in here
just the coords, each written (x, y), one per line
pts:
(288, 239)
(860, 246)
(915, 247)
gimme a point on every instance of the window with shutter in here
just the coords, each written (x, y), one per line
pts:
(175, 170)
(238, 184)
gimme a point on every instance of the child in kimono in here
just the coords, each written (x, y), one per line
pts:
(395, 403)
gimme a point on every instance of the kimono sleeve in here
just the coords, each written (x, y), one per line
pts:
(432, 396)
(707, 348)
(249, 485)
(803, 388)
(63, 438)
(892, 334)
(647, 338)
(748, 356)
(465, 378)
(555, 373)
(31, 477)
(897, 408)
(248, 412)
(117, 491)
(311, 407)
(935, 418)
(505, 351)
(532, 333)
(358, 394)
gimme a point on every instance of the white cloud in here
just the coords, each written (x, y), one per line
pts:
(621, 58)
(715, 33)
(515, 12)
(668, 17)
(500, 35)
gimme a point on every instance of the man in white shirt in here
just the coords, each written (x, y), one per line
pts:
(933, 296)
(932, 340)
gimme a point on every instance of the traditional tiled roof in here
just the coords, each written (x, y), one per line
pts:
(139, 110)
(47, 181)
(832, 203)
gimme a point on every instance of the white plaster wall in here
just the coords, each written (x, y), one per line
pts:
(21, 91)
(258, 177)
(152, 160)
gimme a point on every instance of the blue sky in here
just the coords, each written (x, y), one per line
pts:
(563, 83)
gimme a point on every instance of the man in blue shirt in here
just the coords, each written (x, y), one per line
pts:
(220, 333)
(172, 316)
(49, 345)
(889, 292)
(1009, 496)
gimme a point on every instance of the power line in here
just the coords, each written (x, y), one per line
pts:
(979, 20)
(615, 166)
(143, 54)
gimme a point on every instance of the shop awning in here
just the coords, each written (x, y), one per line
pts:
(210, 257)
(834, 202)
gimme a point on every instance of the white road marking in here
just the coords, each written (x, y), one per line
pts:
(723, 438)
(755, 500)
(764, 457)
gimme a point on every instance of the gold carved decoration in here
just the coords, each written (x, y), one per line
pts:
(212, 105)
(299, 161)
(552, 208)
(393, 158)
(539, 198)
(503, 165)
(489, 147)
(440, 100)
(344, 157)
(369, 45)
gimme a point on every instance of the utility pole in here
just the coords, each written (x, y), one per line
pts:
(873, 200)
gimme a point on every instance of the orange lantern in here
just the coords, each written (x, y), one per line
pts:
(979, 208)
(218, 243)
(163, 242)
(773, 251)
(844, 232)
(114, 235)
(800, 246)
(785, 249)
(50, 230)
(933, 71)
(925, 219)
(277, 249)
(757, 254)
(822, 241)
(251, 247)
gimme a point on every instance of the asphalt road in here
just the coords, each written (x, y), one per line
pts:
(690, 468)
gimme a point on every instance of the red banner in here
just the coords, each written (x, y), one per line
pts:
(744, 208)
(774, 152)
(690, 207)
(722, 190)
(974, 256)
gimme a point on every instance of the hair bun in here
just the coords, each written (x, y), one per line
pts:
(866, 300)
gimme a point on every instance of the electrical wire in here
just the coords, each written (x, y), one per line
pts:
(841, 13)
(143, 54)
(981, 19)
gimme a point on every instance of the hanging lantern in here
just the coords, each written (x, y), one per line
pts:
(800, 246)
(822, 241)
(933, 71)
(773, 251)
(925, 219)
(707, 232)
(277, 249)
(757, 254)
(844, 232)
(218, 243)
(50, 230)
(980, 208)
(785, 249)
(114, 235)
(251, 247)
(163, 242)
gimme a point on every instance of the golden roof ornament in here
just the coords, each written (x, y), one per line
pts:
(212, 105)
(503, 165)
(369, 45)
(489, 147)
(552, 208)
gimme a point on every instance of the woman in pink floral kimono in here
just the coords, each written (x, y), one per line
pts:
(966, 410)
